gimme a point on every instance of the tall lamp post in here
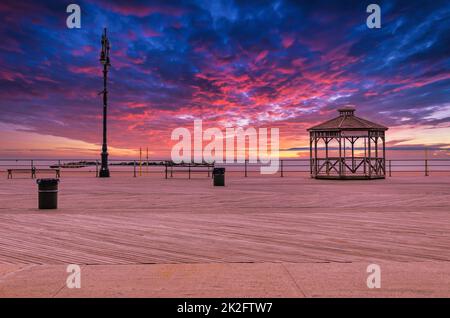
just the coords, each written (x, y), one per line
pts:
(104, 60)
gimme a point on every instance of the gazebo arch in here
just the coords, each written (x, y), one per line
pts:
(364, 162)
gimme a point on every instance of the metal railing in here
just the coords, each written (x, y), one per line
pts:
(137, 168)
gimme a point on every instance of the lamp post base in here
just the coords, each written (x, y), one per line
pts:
(104, 173)
(104, 169)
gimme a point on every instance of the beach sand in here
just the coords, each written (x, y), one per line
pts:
(255, 237)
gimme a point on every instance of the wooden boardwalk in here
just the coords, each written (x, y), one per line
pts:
(252, 220)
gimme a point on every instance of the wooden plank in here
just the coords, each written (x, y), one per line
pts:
(150, 220)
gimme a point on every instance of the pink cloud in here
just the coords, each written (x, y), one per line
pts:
(287, 40)
(261, 55)
(88, 70)
(143, 10)
(83, 50)
(149, 32)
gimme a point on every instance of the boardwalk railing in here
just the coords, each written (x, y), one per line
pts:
(70, 167)
(136, 168)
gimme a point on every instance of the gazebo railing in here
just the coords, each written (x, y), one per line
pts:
(353, 165)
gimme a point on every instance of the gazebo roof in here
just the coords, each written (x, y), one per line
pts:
(347, 121)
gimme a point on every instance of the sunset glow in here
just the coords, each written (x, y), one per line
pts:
(230, 63)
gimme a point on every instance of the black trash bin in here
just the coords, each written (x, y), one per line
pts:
(219, 176)
(48, 193)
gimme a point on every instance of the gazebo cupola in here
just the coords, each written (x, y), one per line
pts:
(347, 147)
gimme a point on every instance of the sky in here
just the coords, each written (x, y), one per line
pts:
(283, 64)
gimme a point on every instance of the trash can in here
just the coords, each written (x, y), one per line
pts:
(219, 177)
(48, 193)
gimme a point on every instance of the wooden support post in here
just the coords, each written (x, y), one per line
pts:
(326, 156)
(384, 155)
(353, 156)
(140, 162)
(33, 170)
(340, 156)
(165, 170)
(343, 159)
(369, 159)
(134, 168)
(245, 167)
(281, 166)
(310, 155)
(189, 169)
(365, 156)
(171, 171)
(377, 168)
(96, 168)
(315, 157)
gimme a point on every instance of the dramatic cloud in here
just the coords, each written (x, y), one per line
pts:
(286, 64)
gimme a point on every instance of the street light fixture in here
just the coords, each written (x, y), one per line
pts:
(104, 60)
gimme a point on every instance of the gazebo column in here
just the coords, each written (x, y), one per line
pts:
(377, 168)
(343, 160)
(326, 156)
(340, 156)
(384, 154)
(315, 155)
(353, 155)
(369, 157)
(311, 162)
(365, 156)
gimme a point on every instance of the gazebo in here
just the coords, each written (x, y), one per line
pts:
(347, 147)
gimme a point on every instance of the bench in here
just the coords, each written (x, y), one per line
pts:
(170, 165)
(33, 172)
